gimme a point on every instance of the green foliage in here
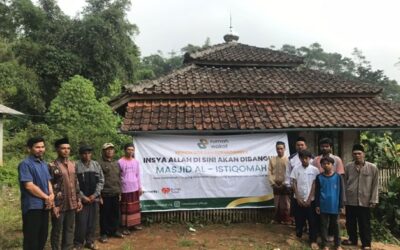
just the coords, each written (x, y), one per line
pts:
(76, 113)
(381, 149)
(356, 68)
(15, 145)
(156, 65)
(103, 39)
(9, 173)
(7, 27)
(388, 212)
(10, 219)
(19, 85)
(161, 65)
(97, 44)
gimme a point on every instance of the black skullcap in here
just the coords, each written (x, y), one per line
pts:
(85, 148)
(305, 153)
(61, 141)
(327, 159)
(358, 147)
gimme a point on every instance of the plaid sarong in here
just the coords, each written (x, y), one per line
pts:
(130, 209)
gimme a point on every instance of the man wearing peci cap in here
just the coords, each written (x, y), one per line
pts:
(91, 181)
(361, 187)
(66, 197)
(111, 195)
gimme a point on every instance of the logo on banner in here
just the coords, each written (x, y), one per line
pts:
(169, 190)
(202, 144)
(177, 204)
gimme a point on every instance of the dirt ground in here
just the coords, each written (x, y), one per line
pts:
(217, 236)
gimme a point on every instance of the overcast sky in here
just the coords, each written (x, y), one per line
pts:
(339, 26)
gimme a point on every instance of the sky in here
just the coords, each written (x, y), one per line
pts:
(339, 26)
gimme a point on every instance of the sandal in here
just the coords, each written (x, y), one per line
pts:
(91, 246)
(314, 246)
(126, 232)
(348, 243)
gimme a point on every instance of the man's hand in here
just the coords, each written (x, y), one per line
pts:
(49, 201)
(92, 198)
(85, 199)
(140, 191)
(318, 210)
(372, 205)
(79, 206)
(342, 210)
(56, 212)
(300, 202)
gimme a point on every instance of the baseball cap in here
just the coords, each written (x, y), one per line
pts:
(108, 145)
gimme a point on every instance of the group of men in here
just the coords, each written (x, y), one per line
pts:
(317, 189)
(77, 194)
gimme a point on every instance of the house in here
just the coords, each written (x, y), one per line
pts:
(233, 88)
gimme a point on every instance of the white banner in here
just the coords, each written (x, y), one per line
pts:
(181, 172)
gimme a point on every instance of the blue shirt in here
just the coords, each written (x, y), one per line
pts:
(329, 193)
(33, 170)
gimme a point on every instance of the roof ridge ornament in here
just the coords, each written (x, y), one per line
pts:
(232, 36)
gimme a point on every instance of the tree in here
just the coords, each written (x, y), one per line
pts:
(161, 65)
(356, 68)
(7, 27)
(103, 41)
(76, 113)
(19, 85)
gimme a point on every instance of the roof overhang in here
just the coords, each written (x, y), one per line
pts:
(249, 131)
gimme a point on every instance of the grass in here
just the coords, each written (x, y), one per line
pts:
(10, 218)
(183, 242)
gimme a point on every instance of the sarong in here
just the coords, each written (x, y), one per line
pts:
(130, 209)
(282, 204)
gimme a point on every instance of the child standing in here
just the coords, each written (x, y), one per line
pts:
(303, 183)
(329, 196)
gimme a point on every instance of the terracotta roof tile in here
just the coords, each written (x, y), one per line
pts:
(257, 114)
(250, 81)
(241, 54)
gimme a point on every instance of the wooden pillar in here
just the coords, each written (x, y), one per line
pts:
(1, 140)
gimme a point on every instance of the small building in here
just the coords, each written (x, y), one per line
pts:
(4, 110)
(234, 88)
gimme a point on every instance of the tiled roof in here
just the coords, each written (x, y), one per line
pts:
(238, 54)
(202, 80)
(260, 114)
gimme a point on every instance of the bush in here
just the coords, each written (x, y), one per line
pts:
(9, 174)
(10, 219)
(387, 213)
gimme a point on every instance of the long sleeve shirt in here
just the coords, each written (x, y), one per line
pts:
(361, 184)
(329, 193)
(277, 170)
(130, 175)
(65, 184)
(91, 178)
(112, 181)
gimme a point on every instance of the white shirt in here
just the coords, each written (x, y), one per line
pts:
(304, 178)
(294, 161)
